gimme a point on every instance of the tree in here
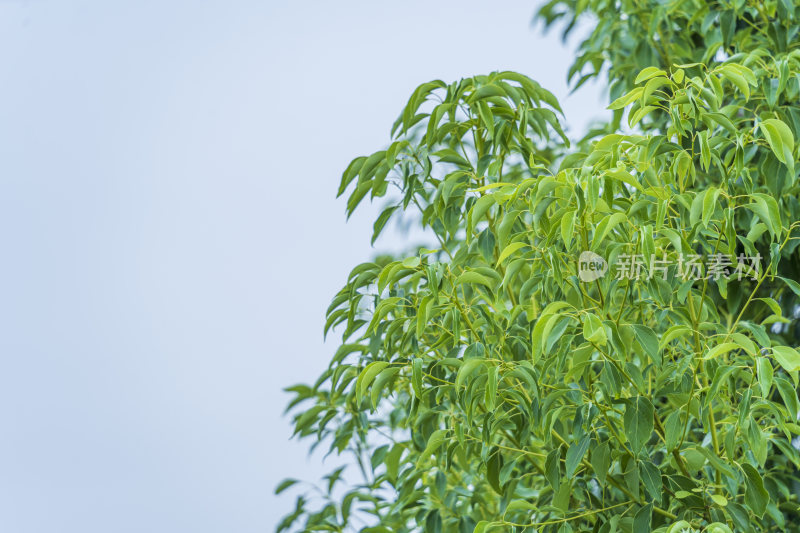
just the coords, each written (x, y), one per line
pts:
(603, 340)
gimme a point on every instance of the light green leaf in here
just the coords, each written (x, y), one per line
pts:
(787, 357)
(380, 382)
(593, 330)
(734, 76)
(767, 209)
(491, 388)
(720, 349)
(434, 441)
(367, 375)
(647, 73)
(648, 340)
(626, 99)
(479, 210)
(567, 227)
(764, 369)
(640, 114)
(411, 262)
(709, 204)
(472, 277)
(605, 226)
(719, 499)
(779, 137)
(416, 377)
(792, 285)
(510, 249)
(672, 333)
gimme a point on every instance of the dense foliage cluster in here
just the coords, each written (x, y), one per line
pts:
(487, 385)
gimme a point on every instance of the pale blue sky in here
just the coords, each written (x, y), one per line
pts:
(170, 238)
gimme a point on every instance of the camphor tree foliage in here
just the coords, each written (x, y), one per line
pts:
(483, 386)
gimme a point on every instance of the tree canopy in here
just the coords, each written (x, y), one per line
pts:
(603, 338)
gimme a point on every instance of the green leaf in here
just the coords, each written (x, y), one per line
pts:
(350, 173)
(767, 210)
(651, 479)
(593, 330)
(789, 396)
(652, 85)
(764, 368)
(285, 484)
(380, 382)
(575, 454)
(491, 388)
(382, 310)
(411, 262)
(705, 152)
(733, 75)
(381, 221)
(756, 497)
(779, 137)
(434, 441)
(720, 376)
(392, 460)
(367, 375)
(642, 518)
(723, 121)
(792, 285)
(520, 505)
(552, 468)
(554, 333)
(673, 428)
(720, 349)
(681, 526)
(479, 210)
(772, 209)
(493, 467)
(620, 174)
(626, 99)
(416, 377)
(510, 249)
(473, 277)
(745, 343)
(648, 340)
(567, 227)
(787, 357)
(719, 499)
(601, 460)
(673, 333)
(468, 368)
(647, 73)
(546, 332)
(638, 422)
(605, 226)
(563, 496)
(709, 204)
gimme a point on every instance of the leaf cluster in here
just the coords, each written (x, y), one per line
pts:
(483, 386)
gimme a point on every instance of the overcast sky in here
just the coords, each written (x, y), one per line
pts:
(170, 238)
